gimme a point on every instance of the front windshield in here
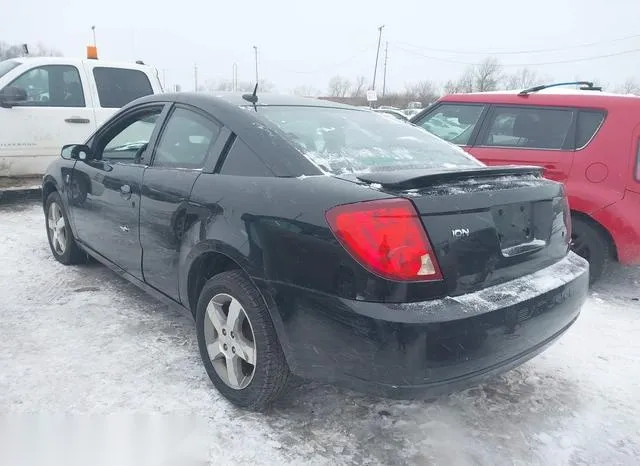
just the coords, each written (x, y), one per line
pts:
(7, 65)
(342, 140)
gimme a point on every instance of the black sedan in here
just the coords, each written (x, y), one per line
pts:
(321, 240)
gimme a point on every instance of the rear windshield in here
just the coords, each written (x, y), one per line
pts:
(342, 141)
(8, 65)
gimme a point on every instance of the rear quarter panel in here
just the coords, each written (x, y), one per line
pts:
(600, 169)
(275, 230)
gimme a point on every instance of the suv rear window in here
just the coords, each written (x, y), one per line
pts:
(118, 86)
(588, 123)
(343, 140)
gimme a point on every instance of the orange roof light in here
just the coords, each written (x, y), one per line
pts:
(92, 52)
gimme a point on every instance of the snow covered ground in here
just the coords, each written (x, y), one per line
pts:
(82, 340)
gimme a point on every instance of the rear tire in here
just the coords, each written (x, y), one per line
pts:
(590, 243)
(229, 345)
(63, 246)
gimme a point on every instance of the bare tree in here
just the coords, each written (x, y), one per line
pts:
(422, 91)
(522, 79)
(11, 51)
(226, 85)
(339, 86)
(306, 91)
(630, 86)
(466, 83)
(487, 75)
(360, 87)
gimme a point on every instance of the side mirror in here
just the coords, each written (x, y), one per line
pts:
(12, 95)
(76, 152)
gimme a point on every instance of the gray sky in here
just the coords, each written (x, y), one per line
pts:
(305, 43)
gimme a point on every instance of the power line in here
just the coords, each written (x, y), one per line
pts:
(557, 62)
(521, 52)
(328, 67)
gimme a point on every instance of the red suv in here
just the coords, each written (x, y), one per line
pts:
(587, 139)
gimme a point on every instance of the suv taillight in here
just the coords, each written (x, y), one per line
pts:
(638, 163)
(387, 238)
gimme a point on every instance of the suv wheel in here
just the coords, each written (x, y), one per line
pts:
(238, 343)
(591, 244)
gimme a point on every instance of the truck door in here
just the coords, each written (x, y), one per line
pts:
(57, 112)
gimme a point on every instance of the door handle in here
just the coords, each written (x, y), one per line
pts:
(125, 191)
(77, 120)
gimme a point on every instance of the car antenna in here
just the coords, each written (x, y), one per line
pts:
(586, 86)
(253, 98)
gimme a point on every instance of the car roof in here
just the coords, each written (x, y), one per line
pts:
(235, 99)
(552, 97)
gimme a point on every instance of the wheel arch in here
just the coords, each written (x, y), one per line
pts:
(208, 259)
(600, 228)
(49, 185)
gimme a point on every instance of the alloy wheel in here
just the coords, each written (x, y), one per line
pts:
(230, 341)
(57, 229)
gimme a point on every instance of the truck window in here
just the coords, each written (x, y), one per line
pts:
(118, 86)
(51, 86)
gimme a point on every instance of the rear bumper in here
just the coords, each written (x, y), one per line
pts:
(432, 347)
(623, 223)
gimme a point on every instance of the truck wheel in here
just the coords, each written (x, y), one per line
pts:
(238, 343)
(591, 244)
(61, 241)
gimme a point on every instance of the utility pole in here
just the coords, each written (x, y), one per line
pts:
(384, 76)
(255, 49)
(375, 70)
(93, 30)
(195, 76)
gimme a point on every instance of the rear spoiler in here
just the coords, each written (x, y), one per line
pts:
(418, 178)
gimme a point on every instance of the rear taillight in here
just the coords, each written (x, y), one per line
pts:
(567, 218)
(387, 238)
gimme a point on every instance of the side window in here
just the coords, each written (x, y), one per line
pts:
(589, 122)
(118, 86)
(242, 161)
(185, 140)
(51, 86)
(534, 128)
(453, 122)
(127, 142)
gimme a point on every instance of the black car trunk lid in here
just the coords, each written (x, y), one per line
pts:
(487, 225)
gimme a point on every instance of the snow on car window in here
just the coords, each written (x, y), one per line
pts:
(342, 140)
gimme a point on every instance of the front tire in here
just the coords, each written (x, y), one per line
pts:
(238, 343)
(63, 246)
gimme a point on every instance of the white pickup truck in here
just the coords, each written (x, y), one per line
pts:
(47, 102)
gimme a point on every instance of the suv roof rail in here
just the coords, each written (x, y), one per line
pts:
(586, 86)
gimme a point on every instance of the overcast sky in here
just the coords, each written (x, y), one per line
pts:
(306, 42)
